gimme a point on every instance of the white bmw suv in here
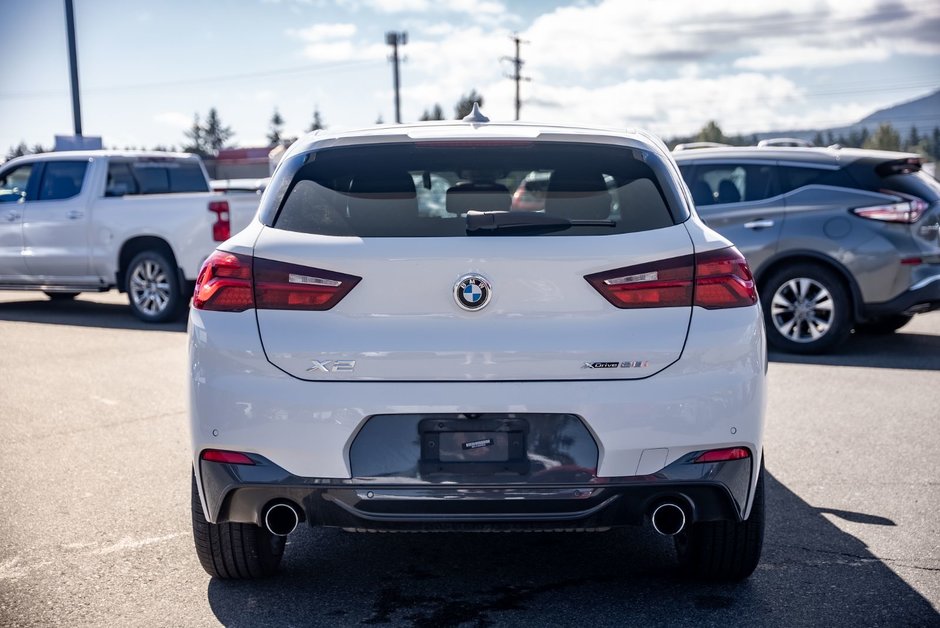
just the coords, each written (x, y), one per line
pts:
(392, 345)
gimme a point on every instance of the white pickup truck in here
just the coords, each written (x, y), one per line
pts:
(141, 222)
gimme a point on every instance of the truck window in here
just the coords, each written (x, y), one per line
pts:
(157, 176)
(62, 180)
(13, 184)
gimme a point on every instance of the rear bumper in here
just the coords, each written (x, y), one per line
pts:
(713, 397)
(706, 492)
(923, 296)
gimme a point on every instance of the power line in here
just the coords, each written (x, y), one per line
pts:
(195, 81)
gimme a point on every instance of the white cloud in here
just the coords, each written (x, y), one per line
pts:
(779, 57)
(321, 32)
(174, 119)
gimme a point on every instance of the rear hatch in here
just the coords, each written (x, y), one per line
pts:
(431, 282)
(912, 203)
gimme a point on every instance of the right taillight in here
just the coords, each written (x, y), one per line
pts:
(283, 286)
(908, 211)
(229, 282)
(723, 279)
(712, 280)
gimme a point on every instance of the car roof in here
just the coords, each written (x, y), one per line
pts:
(831, 156)
(92, 154)
(460, 130)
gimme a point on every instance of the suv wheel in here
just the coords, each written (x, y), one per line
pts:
(234, 550)
(153, 288)
(885, 324)
(724, 550)
(806, 309)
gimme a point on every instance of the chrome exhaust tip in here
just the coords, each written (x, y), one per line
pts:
(668, 519)
(281, 519)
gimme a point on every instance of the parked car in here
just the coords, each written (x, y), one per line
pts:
(836, 238)
(89, 221)
(358, 362)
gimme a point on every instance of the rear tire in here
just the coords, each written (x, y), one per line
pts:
(153, 288)
(724, 550)
(61, 296)
(885, 324)
(807, 309)
(234, 551)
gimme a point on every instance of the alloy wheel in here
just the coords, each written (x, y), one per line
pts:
(802, 310)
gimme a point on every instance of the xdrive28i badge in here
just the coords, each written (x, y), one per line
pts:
(472, 292)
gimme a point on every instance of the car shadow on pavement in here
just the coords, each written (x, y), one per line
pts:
(893, 351)
(811, 573)
(80, 313)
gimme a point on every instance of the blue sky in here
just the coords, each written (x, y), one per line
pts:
(667, 65)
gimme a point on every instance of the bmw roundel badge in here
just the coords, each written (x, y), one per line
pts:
(472, 292)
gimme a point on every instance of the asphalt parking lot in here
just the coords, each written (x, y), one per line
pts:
(94, 497)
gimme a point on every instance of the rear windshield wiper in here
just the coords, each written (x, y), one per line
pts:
(499, 221)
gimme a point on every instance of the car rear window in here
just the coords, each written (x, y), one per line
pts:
(426, 189)
(919, 184)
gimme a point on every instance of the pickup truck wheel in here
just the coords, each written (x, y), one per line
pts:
(234, 550)
(807, 309)
(153, 288)
(724, 550)
(61, 296)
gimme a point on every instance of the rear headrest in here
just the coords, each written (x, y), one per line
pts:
(728, 192)
(578, 195)
(484, 197)
(385, 198)
(702, 193)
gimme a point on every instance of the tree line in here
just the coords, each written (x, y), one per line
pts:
(885, 137)
(208, 135)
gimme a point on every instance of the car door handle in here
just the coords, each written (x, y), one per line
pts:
(13, 216)
(759, 224)
(75, 214)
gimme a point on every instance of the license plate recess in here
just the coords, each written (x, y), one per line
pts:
(473, 446)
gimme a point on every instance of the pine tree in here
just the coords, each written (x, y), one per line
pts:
(276, 127)
(215, 133)
(913, 139)
(818, 139)
(317, 123)
(196, 137)
(711, 132)
(436, 113)
(884, 138)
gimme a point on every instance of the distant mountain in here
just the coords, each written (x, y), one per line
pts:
(923, 113)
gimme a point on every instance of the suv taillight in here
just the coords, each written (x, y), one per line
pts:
(222, 229)
(230, 282)
(713, 280)
(907, 211)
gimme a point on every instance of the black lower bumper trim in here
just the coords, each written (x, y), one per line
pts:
(925, 299)
(707, 492)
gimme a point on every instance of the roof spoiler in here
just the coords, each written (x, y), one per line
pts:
(906, 165)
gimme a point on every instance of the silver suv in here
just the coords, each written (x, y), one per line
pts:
(836, 238)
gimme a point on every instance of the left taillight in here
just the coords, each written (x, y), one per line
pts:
(712, 280)
(224, 283)
(230, 282)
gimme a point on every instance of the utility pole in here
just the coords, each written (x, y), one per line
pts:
(73, 67)
(517, 75)
(395, 39)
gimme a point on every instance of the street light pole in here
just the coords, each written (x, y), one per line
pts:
(73, 67)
